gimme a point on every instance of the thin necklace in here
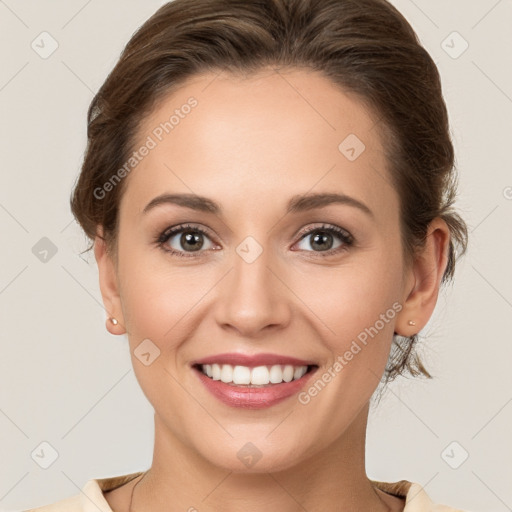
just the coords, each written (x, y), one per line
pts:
(133, 489)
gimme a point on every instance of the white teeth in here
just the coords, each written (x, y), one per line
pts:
(288, 373)
(215, 371)
(276, 374)
(297, 373)
(257, 376)
(226, 373)
(241, 375)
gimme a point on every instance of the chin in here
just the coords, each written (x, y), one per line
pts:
(252, 454)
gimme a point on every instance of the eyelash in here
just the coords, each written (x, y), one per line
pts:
(342, 234)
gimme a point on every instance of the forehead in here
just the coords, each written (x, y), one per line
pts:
(277, 133)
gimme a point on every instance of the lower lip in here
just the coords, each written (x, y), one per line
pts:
(252, 397)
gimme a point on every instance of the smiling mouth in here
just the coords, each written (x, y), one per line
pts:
(257, 376)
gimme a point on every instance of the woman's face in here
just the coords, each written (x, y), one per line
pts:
(252, 281)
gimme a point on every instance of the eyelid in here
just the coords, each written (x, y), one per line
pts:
(173, 230)
(327, 227)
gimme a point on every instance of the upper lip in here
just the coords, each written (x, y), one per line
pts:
(252, 360)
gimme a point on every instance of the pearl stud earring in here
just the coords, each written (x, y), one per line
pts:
(114, 321)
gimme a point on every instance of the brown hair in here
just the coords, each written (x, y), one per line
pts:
(364, 46)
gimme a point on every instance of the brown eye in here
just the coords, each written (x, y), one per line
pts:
(323, 240)
(181, 240)
(192, 241)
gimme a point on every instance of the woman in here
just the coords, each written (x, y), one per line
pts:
(268, 187)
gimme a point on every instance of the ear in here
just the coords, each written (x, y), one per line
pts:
(108, 285)
(424, 280)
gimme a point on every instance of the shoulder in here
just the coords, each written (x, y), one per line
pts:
(91, 498)
(416, 498)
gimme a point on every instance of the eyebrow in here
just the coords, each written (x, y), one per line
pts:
(298, 203)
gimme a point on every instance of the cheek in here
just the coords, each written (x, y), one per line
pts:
(352, 297)
(154, 303)
(163, 301)
(151, 295)
(357, 306)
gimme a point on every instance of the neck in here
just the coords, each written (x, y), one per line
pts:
(333, 478)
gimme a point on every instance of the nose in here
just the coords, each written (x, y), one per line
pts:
(253, 298)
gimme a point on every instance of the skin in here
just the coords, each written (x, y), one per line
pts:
(250, 144)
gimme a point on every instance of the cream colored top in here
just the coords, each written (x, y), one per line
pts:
(91, 498)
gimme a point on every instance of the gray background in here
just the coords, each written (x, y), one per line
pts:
(65, 381)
